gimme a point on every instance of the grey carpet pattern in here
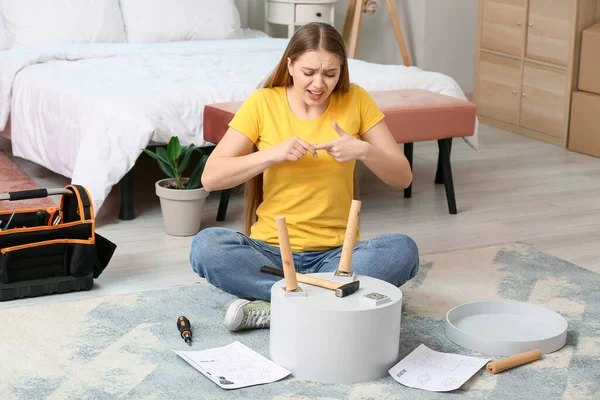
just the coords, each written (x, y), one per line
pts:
(121, 346)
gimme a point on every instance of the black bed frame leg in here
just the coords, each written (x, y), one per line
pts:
(126, 197)
(223, 203)
(439, 174)
(444, 159)
(408, 153)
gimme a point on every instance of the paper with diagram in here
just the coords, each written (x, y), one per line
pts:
(234, 366)
(434, 371)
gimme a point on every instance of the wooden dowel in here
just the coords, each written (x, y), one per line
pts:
(503, 364)
(398, 31)
(348, 22)
(355, 30)
(287, 259)
(350, 238)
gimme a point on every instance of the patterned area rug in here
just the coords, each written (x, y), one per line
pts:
(121, 346)
(12, 179)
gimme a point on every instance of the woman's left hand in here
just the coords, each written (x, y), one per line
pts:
(345, 148)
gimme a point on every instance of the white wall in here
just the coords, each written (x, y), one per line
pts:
(440, 34)
(450, 39)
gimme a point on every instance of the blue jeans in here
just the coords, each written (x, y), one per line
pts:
(231, 261)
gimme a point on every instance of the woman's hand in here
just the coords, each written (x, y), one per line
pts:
(345, 148)
(292, 149)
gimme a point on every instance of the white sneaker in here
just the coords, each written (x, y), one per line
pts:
(243, 314)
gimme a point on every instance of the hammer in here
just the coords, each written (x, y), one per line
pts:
(341, 289)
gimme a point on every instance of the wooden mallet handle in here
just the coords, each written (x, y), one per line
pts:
(503, 364)
(287, 260)
(350, 238)
(311, 280)
(315, 281)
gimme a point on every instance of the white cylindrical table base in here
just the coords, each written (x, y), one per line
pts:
(323, 338)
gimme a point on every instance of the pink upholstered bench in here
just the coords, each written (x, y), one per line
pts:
(412, 116)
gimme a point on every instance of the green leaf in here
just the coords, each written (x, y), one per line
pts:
(196, 176)
(186, 152)
(165, 163)
(160, 156)
(174, 149)
(167, 170)
(151, 154)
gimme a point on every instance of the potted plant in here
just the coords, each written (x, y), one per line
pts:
(181, 198)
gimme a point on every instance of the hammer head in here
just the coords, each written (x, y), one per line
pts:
(347, 289)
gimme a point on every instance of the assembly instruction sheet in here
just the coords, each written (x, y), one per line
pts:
(234, 366)
(430, 370)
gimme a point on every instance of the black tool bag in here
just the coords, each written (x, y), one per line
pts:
(50, 250)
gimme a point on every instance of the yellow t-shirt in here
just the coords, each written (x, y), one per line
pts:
(313, 194)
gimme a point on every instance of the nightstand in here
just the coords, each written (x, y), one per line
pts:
(297, 12)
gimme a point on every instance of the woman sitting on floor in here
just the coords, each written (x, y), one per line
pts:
(310, 125)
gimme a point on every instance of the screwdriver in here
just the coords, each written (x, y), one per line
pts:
(183, 324)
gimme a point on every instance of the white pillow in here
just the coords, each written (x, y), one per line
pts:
(48, 22)
(152, 21)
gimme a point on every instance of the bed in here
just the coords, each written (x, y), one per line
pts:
(85, 106)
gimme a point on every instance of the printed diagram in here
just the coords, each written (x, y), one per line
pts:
(449, 382)
(440, 363)
(430, 370)
(224, 381)
(234, 355)
(461, 363)
(234, 366)
(433, 361)
(423, 379)
(255, 373)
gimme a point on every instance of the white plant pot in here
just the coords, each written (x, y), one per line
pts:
(181, 209)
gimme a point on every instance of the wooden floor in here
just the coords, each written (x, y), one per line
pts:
(512, 189)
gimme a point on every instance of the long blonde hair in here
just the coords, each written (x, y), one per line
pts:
(310, 37)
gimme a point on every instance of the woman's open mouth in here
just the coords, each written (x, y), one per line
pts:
(314, 95)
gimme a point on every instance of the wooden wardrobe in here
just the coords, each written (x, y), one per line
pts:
(527, 64)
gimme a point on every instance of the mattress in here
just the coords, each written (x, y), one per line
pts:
(87, 111)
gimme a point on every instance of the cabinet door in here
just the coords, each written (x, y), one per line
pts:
(306, 13)
(544, 99)
(279, 13)
(498, 88)
(503, 26)
(550, 30)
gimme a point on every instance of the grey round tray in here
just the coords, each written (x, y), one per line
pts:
(505, 328)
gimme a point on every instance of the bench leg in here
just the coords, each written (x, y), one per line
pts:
(439, 174)
(444, 146)
(223, 203)
(126, 197)
(408, 152)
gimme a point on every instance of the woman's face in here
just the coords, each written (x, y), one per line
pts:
(315, 74)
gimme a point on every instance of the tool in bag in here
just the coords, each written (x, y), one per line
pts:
(53, 249)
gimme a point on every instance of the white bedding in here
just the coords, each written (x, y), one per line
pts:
(86, 111)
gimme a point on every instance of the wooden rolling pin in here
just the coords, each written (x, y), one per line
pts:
(287, 259)
(350, 238)
(513, 361)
